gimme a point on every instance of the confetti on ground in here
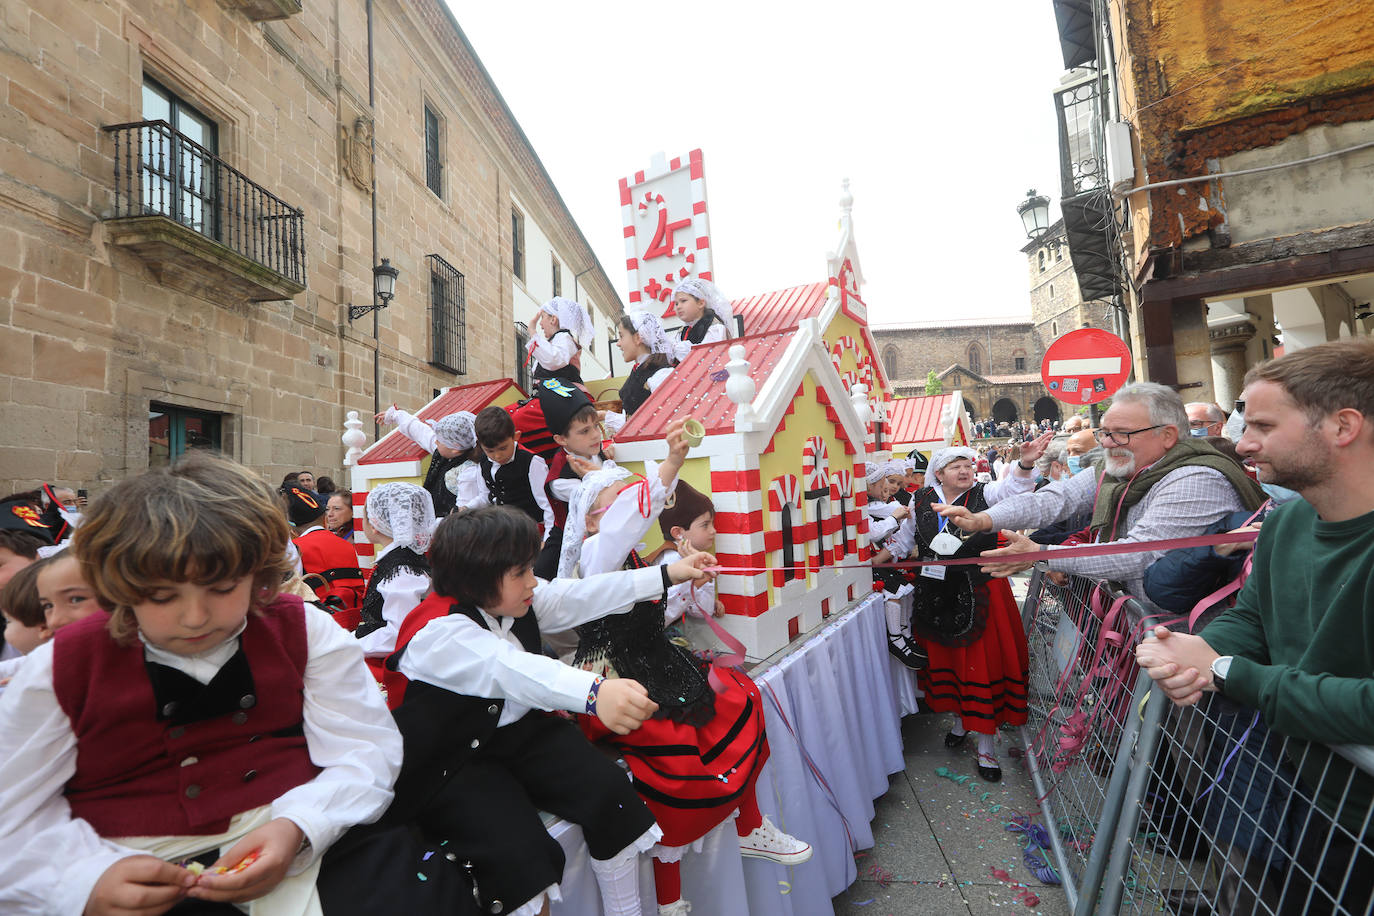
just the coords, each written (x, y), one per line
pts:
(786, 888)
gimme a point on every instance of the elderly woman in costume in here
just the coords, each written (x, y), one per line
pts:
(705, 315)
(644, 343)
(968, 624)
(562, 329)
(451, 443)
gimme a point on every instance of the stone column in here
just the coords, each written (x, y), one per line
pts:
(1229, 338)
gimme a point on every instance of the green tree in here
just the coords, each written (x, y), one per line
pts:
(933, 384)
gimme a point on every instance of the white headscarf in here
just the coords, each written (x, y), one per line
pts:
(876, 471)
(706, 291)
(572, 316)
(404, 513)
(945, 455)
(651, 333)
(575, 528)
(456, 431)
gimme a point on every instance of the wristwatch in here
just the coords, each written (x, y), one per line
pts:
(1023, 466)
(1221, 665)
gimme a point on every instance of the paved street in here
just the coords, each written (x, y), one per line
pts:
(937, 843)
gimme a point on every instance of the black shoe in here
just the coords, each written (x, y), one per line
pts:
(906, 651)
(953, 740)
(989, 773)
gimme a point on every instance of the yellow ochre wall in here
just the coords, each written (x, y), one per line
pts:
(807, 420)
(695, 471)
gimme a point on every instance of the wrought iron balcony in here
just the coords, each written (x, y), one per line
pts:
(202, 225)
(258, 10)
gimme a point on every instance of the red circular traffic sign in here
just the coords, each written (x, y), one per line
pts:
(1086, 366)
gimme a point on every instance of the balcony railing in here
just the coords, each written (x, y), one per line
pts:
(162, 173)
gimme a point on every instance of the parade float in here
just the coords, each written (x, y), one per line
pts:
(792, 410)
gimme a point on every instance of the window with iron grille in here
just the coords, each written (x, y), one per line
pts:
(434, 164)
(517, 243)
(522, 362)
(447, 327)
(557, 276)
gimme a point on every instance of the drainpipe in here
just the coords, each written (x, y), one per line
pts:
(376, 321)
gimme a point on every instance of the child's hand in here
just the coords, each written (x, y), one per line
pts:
(901, 512)
(684, 547)
(623, 704)
(719, 609)
(380, 418)
(695, 567)
(275, 845)
(581, 466)
(608, 449)
(141, 885)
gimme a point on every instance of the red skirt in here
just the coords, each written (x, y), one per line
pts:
(694, 778)
(984, 683)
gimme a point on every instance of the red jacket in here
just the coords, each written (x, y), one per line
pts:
(331, 568)
(394, 682)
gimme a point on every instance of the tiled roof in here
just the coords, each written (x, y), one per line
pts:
(990, 322)
(915, 419)
(697, 387)
(396, 447)
(782, 309)
(1020, 378)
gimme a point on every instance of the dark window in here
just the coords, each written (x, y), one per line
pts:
(522, 363)
(890, 361)
(557, 277)
(1020, 364)
(434, 161)
(789, 560)
(447, 337)
(174, 431)
(517, 243)
(178, 162)
(975, 359)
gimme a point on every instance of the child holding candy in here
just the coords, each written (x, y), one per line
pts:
(200, 719)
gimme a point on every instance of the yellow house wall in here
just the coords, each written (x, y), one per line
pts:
(842, 325)
(695, 471)
(807, 420)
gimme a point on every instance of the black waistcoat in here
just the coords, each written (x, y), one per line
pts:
(395, 561)
(509, 484)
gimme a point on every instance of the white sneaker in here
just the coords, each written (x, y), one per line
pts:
(678, 907)
(768, 842)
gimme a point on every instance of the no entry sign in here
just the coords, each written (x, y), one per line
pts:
(1086, 366)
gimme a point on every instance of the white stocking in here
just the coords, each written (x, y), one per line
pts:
(987, 744)
(958, 727)
(894, 615)
(618, 879)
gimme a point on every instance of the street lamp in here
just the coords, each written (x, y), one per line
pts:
(1035, 214)
(383, 289)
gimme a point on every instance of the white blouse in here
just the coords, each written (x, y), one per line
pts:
(903, 541)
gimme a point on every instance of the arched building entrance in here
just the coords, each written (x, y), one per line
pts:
(1004, 411)
(1046, 408)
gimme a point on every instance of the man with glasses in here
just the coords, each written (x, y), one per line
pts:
(1154, 482)
(1205, 419)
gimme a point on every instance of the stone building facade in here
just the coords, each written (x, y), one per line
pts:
(996, 362)
(184, 283)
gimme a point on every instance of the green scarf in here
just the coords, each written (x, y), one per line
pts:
(1187, 453)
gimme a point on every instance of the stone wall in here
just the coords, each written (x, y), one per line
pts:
(92, 333)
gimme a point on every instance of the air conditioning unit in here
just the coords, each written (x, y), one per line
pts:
(1120, 162)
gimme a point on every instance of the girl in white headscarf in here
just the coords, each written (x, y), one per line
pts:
(562, 329)
(885, 515)
(705, 315)
(968, 624)
(644, 343)
(689, 791)
(451, 442)
(399, 519)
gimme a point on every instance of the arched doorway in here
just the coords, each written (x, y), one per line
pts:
(1046, 408)
(1004, 411)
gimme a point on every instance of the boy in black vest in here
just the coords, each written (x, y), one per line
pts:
(572, 419)
(480, 759)
(513, 476)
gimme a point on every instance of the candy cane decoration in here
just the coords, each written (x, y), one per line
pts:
(785, 491)
(815, 463)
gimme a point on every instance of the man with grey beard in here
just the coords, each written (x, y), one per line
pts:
(1153, 483)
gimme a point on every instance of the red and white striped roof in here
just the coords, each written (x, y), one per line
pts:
(782, 309)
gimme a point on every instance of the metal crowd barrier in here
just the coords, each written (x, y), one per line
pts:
(1151, 808)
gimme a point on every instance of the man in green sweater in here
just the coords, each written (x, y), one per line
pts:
(1299, 644)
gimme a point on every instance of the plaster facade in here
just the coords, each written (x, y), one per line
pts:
(95, 337)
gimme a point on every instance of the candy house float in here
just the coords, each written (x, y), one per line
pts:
(395, 457)
(782, 455)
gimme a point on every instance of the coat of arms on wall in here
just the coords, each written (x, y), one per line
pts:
(355, 152)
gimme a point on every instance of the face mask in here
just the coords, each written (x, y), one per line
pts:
(1200, 433)
(1278, 494)
(1074, 463)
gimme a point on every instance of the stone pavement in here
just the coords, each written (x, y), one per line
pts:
(937, 842)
